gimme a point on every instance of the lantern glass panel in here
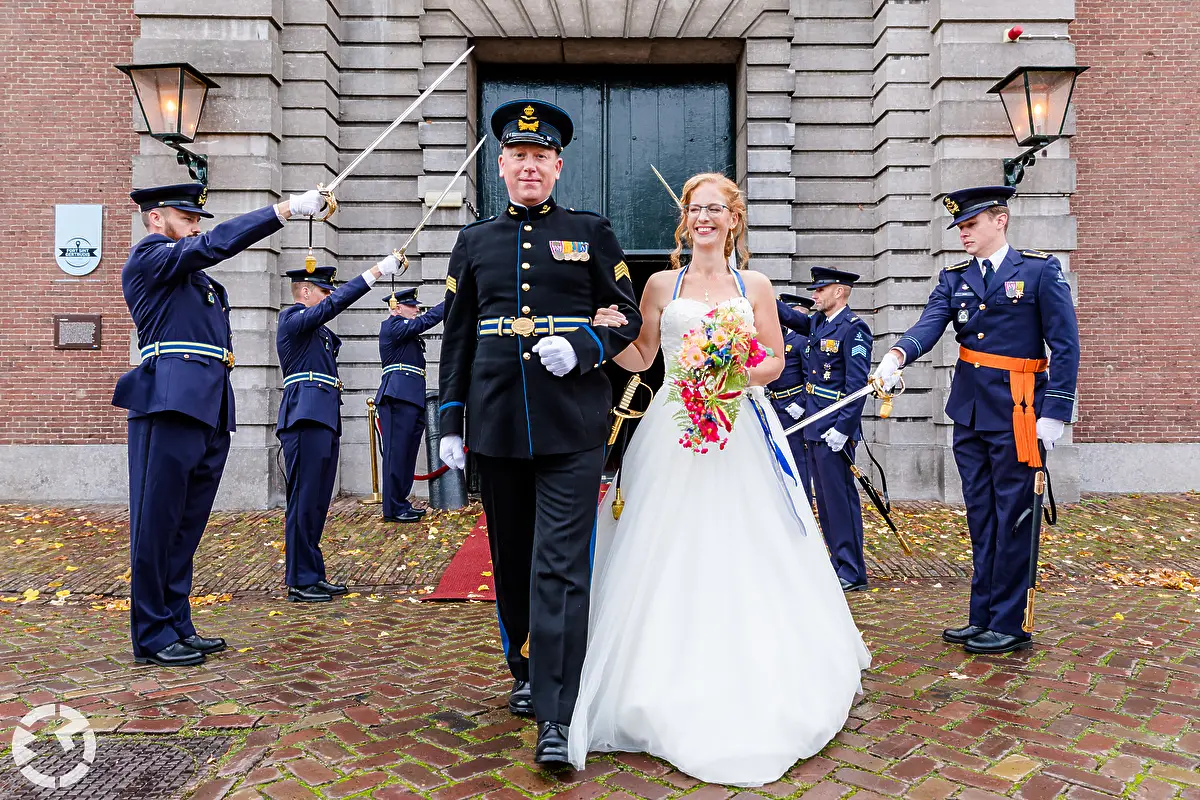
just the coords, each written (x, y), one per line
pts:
(158, 93)
(194, 91)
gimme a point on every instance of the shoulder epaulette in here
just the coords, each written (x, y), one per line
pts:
(583, 211)
(1035, 254)
(960, 265)
(477, 222)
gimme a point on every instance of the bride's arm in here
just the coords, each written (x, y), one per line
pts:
(766, 321)
(640, 355)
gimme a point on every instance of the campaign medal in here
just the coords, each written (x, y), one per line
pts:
(1014, 289)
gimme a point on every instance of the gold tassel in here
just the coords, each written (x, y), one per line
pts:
(618, 504)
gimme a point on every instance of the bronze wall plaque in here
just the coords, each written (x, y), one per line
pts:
(77, 332)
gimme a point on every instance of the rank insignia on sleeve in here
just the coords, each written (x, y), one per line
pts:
(860, 350)
(621, 270)
(570, 251)
(451, 285)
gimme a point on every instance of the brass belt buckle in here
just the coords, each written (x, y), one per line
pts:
(522, 326)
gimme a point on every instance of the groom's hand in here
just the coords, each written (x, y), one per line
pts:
(609, 318)
(450, 448)
(557, 355)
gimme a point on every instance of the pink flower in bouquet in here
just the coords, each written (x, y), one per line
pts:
(693, 357)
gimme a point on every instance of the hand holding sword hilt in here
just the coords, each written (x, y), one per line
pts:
(403, 259)
(885, 408)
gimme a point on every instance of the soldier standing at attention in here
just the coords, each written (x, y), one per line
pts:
(310, 417)
(401, 398)
(787, 391)
(521, 361)
(838, 358)
(1007, 306)
(180, 403)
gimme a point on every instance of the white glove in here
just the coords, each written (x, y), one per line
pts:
(835, 439)
(557, 355)
(889, 365)
(795, 411)
(450, 448)
(308, 204)
(1049, 431)
(389, 265)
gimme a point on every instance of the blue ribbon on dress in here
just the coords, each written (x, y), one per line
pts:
(779, 462)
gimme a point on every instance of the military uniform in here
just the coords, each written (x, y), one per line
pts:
(538, 439)
(310, 424)
(1000, 383)
(838, 359)
(788, 388)
(180, 403)
(401, 402)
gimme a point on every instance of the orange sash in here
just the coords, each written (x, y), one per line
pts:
(1021, 373)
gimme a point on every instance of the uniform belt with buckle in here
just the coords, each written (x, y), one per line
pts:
(404, 368)
(318, 377)
(530, 326)
(188, 349)
(784, 394)
(822, 392)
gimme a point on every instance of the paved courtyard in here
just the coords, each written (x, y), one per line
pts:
(384, 695)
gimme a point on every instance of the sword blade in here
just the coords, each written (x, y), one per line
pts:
(461, 169)
(829, 410)
(667, 186)
(403, 116)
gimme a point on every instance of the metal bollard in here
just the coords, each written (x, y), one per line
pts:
(448, 490)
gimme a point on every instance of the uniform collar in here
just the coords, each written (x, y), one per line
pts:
(836, 314)
(997, 258)
(518, 211)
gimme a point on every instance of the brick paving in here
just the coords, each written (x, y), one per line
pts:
(381, 695)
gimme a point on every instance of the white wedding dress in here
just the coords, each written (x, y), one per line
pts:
(719, 636)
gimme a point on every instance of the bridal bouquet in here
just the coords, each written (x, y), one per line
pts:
(709, 376)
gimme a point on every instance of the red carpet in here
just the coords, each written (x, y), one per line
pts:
(469, 574)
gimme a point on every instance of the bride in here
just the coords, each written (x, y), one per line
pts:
(719, 637)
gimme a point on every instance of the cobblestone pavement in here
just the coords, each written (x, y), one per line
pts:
(381, 695)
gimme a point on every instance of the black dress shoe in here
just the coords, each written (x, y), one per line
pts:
(847, 586)
(551, 744)
(993, 642)
(961, 635)
(174, 655)
(308, 594)
(202, 644)
(520, 702)
(412, 515)
(331, 588)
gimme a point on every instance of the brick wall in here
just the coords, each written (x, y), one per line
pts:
(67, 137)
(1138, 151)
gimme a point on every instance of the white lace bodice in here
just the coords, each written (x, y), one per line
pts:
(683, 313)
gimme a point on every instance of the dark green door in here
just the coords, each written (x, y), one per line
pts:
(624, 122)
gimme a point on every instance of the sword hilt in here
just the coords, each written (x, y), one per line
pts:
(403, 259)
(330, 203)
(623, 412)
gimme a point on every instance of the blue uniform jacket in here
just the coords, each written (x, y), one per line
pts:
(400, 343)
(838, 359)
(306, 345)
(1027, 306)
(171, 299)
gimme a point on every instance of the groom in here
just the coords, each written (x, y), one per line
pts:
(521, 360)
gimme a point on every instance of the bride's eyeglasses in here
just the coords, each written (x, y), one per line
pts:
(714, 209)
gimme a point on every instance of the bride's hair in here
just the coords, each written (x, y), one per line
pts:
(737, 204)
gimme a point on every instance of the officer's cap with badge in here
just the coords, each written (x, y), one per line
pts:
(321, 277)
(827, 276)
(401, 297)
(189, 197)
(790, 299)
(967, 203)
(532, 122)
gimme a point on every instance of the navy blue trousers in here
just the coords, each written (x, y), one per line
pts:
(541, 514)
(797, 444)
(403, 425)
(996, 489)
(310, 451)
(839, 509)
(175, 466)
